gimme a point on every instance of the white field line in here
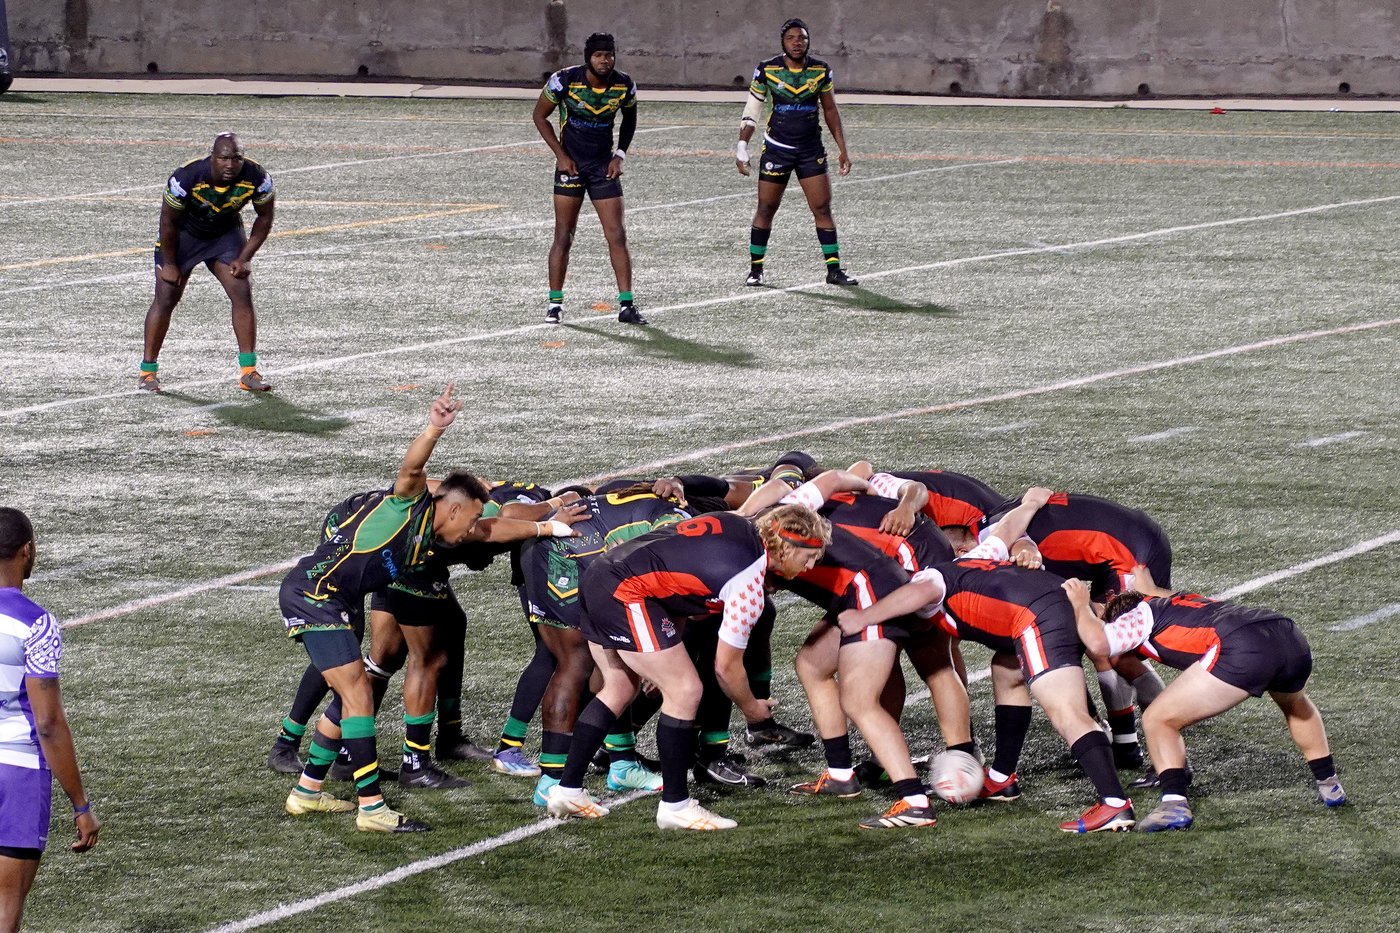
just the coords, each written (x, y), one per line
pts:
(1332, 439)
(1011, 428)
(284, 911)
(379, 242)
(1161, 435)
(1361, 547)
(318, 168)
(245, 576)
(403, 872)
(1362, 621)
(756, 294)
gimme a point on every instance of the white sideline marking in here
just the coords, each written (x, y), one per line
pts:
(347, 248)
(284, 911)
(746, 295)
(1362, 621)
(194, 589)
(1359, 548)
(1332, 439)
(1161, 435)
(1009, 428)
(317, 168)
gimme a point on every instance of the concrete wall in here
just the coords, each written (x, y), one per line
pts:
(1008, 47)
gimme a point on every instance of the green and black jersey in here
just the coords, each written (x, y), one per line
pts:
(792, 122)
(366, 543)
(208, 210)
(587, 114)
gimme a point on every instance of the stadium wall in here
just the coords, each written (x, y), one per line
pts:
(1007, 47)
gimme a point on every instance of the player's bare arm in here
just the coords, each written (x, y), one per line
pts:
(413, 477)
(242, 267)
(56, 740)
(562, 160)
(833, 123)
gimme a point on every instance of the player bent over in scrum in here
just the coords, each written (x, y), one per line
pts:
(634, 601)
(1226, 653)
(1011, 609)
(392, 530)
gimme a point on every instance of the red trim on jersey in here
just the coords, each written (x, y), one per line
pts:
(658, 584)
(1197, 641)
(989, 614)
(834, 580)
(1090, 547)
(945, 510)
(883, 542)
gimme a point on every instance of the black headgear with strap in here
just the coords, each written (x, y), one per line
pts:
(793, 23)
(598, 42)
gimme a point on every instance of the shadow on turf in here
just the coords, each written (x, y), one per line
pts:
(651, 341)
(861, 297)
(267, 412)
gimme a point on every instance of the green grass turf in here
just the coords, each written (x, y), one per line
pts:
(135, 496)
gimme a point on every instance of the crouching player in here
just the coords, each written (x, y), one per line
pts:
(1226, 653)
(637, 598)
(1014, 610)
(391, 530)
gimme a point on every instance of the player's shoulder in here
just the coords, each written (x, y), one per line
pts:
(566, 76)
(15, 605)
(193, 171)
(623, 79)
(775, 62)
(254, 171)
(817, 64)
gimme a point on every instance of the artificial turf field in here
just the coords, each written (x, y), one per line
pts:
(1192, 314)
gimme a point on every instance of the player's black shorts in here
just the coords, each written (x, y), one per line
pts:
(551, 590)
(898, 630)
(592, 179)
(414, 609)
(1265, 656)
(1051, 641)
(192, 250)
(776, 163)
(24, 853)
(330, 648)
(642, 625)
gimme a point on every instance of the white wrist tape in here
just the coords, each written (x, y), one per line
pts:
(753, 112)
(620, 154)
(741, 151)
(553, 529)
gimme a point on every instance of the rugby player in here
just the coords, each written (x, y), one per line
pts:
(391, 531)
(201, 222)
(589, 97)
(1015, 610)
(553, 571)
(636, 599)
(36, 744)
(792, 141)
(1090, 538)
(852, 676)
(1226, 653)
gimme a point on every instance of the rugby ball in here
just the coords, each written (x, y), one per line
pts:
(957, 777)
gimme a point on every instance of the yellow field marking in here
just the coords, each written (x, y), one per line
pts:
(302, 231)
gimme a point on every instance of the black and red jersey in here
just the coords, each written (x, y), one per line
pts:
(861, 515)
(686, 566)
(955, 498)
(1096, 539)
(992, 602)
(1188, 627)
(851, 574)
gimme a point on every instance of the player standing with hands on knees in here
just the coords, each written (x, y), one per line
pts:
(35, 743)
(792, 140)
(589, 98)
(201, 222)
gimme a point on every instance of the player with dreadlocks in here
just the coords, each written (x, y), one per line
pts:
(589, 98)
(792, 140)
